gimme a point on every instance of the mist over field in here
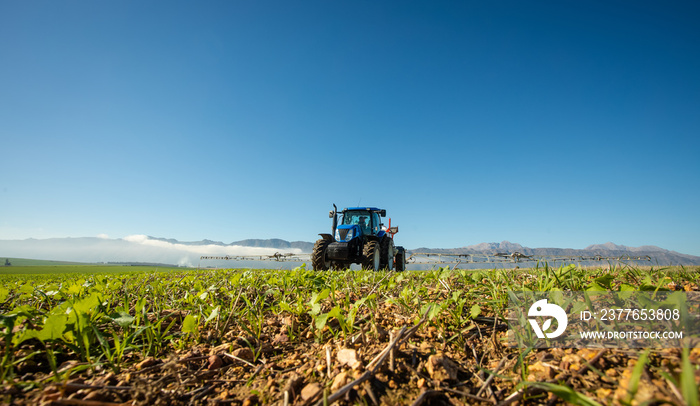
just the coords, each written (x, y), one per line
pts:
(133, 248)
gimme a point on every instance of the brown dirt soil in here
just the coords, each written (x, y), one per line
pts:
(433, 362)
(424, 370)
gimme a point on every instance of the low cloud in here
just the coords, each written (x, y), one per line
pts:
(133, 248)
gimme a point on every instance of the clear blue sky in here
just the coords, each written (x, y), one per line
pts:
(547, 123)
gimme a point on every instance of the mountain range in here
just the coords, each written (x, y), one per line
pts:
(658, 255)
(141, 248)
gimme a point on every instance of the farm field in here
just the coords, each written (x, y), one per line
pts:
(37, 266)
(137, 336)
(85, 269)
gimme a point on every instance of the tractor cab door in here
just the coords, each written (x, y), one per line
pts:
(375, 223)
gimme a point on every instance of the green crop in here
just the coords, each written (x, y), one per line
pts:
(115, 318)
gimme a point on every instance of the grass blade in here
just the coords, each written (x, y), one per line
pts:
(689, 389)
(565, 393)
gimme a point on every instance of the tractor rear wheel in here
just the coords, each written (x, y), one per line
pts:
(400, 259)
(386, 253)
(318, 256)
(371, 256)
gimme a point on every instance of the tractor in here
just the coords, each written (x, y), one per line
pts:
(359, 238)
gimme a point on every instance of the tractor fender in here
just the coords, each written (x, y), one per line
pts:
(327, 237)
(381, 234)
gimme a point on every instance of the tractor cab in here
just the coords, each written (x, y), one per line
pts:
(356, 222)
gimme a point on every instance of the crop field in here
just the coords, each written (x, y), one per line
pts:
(301, 337)
(68, 269)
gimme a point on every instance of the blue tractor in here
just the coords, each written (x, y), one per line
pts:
(358, 237)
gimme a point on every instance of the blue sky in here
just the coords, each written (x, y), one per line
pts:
(550, 124)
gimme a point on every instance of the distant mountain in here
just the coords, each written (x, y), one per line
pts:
(658, 255)
(609, 246)
(174, 241)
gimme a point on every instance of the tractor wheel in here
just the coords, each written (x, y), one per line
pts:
(400, 259)
(318, 256)
(386, 249)
(371, 256)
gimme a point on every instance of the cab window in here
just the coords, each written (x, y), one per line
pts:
(375, 223)
(360, 218)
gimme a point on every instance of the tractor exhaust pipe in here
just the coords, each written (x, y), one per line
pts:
(334, 214)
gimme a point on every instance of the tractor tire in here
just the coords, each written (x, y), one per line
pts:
(400, 259)
(386, 249)
(371, 257)
(318, 255)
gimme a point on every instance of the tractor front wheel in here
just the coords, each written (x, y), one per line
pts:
(318, 256)
(371, 257)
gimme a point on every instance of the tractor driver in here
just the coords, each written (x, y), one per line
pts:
(363, 224)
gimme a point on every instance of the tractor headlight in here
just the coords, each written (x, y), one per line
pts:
(348, 236)
(337, 234)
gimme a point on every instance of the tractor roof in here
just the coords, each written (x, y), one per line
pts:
(362, 208)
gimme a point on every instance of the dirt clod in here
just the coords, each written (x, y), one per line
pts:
(215, 362)
(348, 356)
(310, 391)
(441, 368)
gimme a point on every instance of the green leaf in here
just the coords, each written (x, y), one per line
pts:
(140, 305)
(54, 327)
(318, 296)
(214, 313)
(595, 287)
(647, 284)
(74, 289)
(189, 325)
(475, 311)
(335, 312)
(626, 287)
(26, 288)
(122, 318)
(434, 310)
(25, 335)
(556, 296)
(577, 307)
(605, 280)
(87, 304)
(321, 321)
(626, 291)
(315, 309)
